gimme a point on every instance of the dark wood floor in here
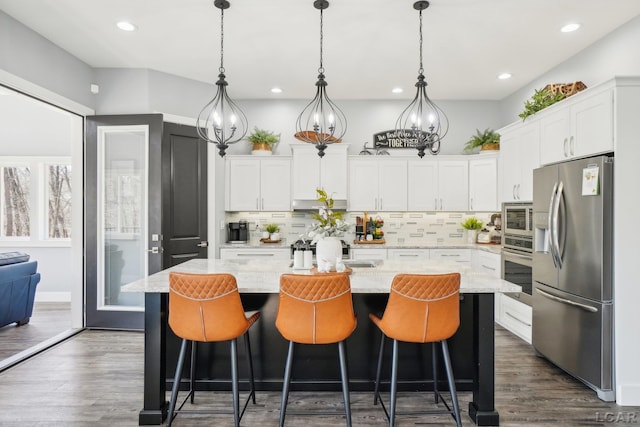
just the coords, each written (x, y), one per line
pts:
(95, 379)
(48, 320)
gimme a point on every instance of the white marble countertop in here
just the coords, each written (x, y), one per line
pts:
(493, 248)
(261, 276)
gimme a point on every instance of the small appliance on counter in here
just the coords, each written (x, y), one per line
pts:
(492, 232)
(238, 232)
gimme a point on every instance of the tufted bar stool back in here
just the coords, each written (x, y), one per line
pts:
(316, 309)
(421, 309)
(207, 308)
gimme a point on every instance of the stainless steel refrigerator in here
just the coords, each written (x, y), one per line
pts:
(572, 269)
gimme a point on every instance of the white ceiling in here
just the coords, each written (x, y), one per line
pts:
(370, 46)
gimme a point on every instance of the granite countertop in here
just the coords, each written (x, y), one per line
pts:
(261, 276)
(493, 248)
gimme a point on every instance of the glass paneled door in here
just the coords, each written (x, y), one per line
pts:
(122, 215)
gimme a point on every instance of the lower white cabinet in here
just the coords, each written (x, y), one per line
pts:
(408, 254)
(358, 254)
(487, 262)
(515, 317)
(451, 255)
(258, 253)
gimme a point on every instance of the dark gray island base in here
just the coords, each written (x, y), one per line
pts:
(472, 354)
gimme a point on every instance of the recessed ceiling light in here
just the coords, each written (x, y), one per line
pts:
(126, 26)
(504, 76)
(276, 90)
(397, 90)
(570, 27)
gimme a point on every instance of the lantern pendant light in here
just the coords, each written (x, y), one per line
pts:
(422, 123)
(221, 121)
(321, 121)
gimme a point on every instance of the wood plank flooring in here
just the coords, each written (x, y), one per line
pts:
(48, 320)
(95, 379)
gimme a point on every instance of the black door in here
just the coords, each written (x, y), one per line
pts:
(122, 215)
(184, 191)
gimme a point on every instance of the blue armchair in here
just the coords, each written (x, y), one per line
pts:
(18, 281)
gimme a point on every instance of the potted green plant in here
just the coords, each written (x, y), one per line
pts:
(486, 140)
(472, 225)
(263, 141)
(273, 230)
(540, 99)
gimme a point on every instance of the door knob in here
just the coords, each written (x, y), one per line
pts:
(203, 244)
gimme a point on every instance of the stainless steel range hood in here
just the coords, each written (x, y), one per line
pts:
(313, 205)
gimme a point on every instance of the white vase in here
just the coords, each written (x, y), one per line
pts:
(472, 235)
(328, 250)
(275, 236)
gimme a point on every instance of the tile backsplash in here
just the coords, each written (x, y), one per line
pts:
(408, 228)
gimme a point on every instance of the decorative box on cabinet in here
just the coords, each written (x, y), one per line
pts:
(258, 184)
(436, 185)
(311, 172)
(519, 156)
(577, 127)
(377, 184)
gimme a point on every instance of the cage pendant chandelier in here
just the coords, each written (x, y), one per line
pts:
(422, 124)
(221, 121)
(321, 122)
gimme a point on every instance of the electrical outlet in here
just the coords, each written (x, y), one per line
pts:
(221, 224)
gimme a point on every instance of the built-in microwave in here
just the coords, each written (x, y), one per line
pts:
(517, 219)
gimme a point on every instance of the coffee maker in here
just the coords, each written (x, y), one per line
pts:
(238, 232)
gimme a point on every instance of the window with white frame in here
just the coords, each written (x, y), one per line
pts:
(35, 199)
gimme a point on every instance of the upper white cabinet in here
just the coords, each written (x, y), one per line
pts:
(437, 185)
(578, 129)
(311, 172)
(483, 183)
(258, 184)
(519, 156)
(377, 184)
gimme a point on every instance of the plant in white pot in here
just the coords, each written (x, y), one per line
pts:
(472, 225)
(324, 232)
(263, 141)
(273, 230)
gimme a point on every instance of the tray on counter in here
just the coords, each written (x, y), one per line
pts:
(270, 241)
(370, 242)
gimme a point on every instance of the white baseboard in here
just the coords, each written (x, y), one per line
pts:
(628, 395)
(53, 296)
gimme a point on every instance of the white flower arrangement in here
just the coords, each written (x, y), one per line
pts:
(327, 222)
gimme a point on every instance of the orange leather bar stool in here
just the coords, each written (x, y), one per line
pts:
(316, 309)
(421, 309)
(207, 308)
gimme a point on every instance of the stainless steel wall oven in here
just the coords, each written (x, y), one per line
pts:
(517, 248)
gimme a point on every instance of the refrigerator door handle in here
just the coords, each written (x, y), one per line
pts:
(566, 301)
(555, 241)
(550, 224)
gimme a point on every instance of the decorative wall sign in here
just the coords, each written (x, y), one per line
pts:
(390, 139)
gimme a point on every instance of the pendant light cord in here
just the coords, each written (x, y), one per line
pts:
(321, 69)
(221, 69)
(421, 70)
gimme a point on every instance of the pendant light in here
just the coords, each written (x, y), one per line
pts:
(321, 121)
(221, 121)
(422, 123)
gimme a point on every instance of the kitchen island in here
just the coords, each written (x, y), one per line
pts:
(472, 348)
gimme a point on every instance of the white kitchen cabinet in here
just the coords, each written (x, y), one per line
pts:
(580, 128)
(515, 317)
(519, 156)
(258, 184)
(483, 183)
(255, 253)
(422, 185)
(360, 254)
(377, 184)
(462, 256)
(437, 185)
(410, 254)
(487, 262)
(311, 172)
